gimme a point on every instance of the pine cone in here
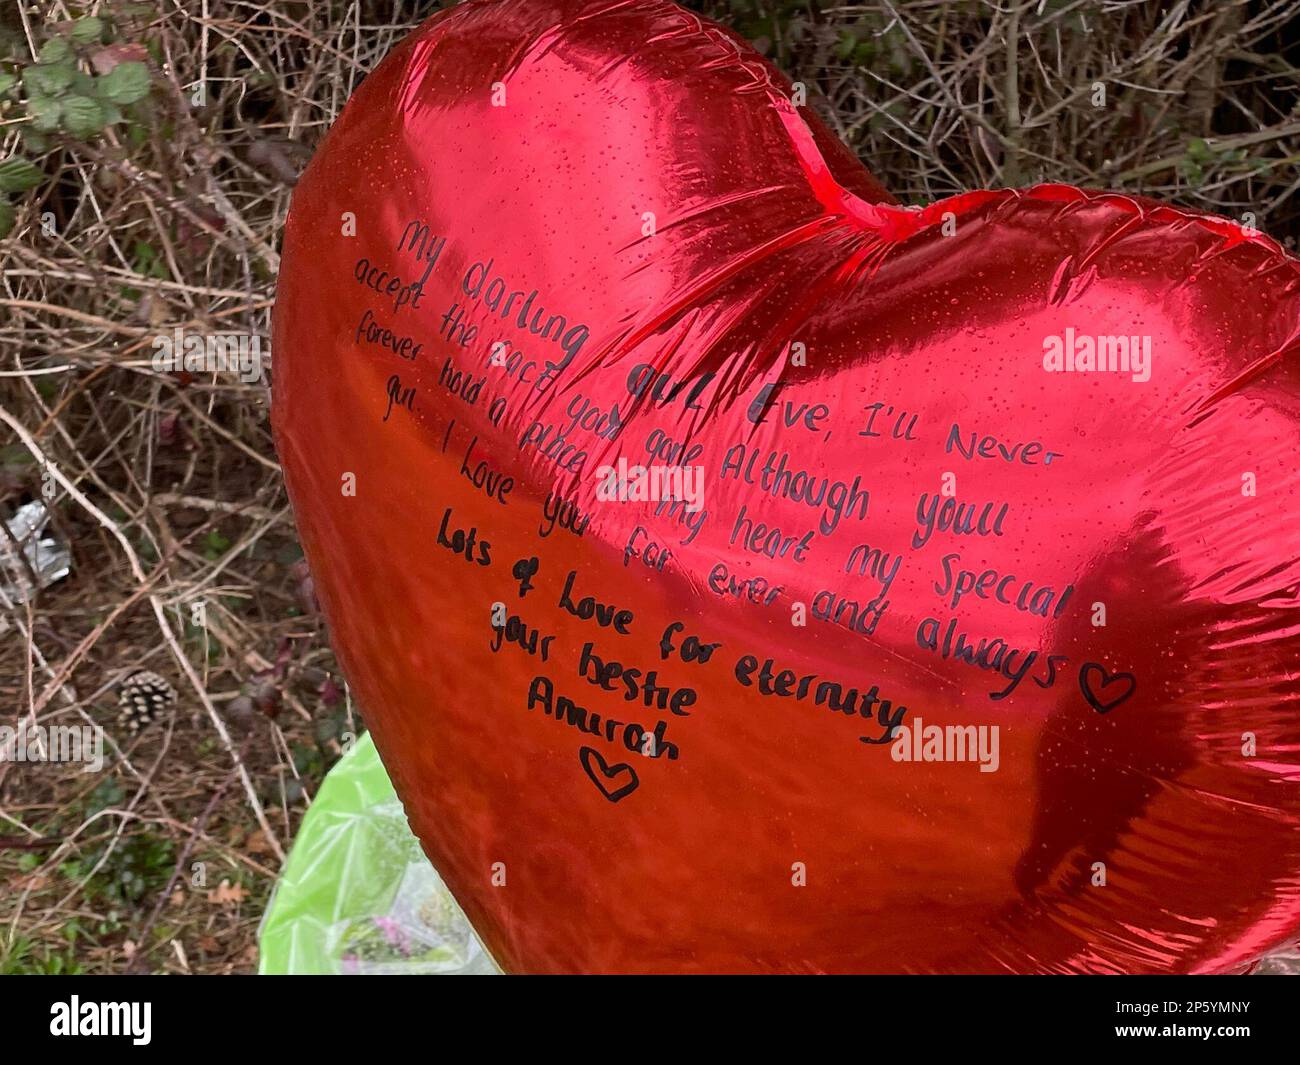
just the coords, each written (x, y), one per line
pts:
(143, 698)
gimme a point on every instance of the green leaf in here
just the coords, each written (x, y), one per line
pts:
(45, 113)
(7, 82)
(88, 30)
(215, 544)
(6, 218)
(1199, 151)
(19, 175)
(55, 50)
(37, 143)
(125, 83)
(82, 116)
(48, 79)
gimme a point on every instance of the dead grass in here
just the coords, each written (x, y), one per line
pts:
(167, 487)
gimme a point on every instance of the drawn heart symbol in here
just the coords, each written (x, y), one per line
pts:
(601, 773)
(1108, 690)
(624, 412)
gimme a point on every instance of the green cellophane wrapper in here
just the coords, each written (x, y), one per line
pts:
(357, 894)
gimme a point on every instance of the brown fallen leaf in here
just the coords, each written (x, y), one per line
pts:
(227, 894)
(31, 882)
(256, 843)
(106, 58)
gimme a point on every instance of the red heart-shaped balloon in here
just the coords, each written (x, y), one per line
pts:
(741, 572)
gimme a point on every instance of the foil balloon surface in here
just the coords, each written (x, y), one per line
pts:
(740, 571)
